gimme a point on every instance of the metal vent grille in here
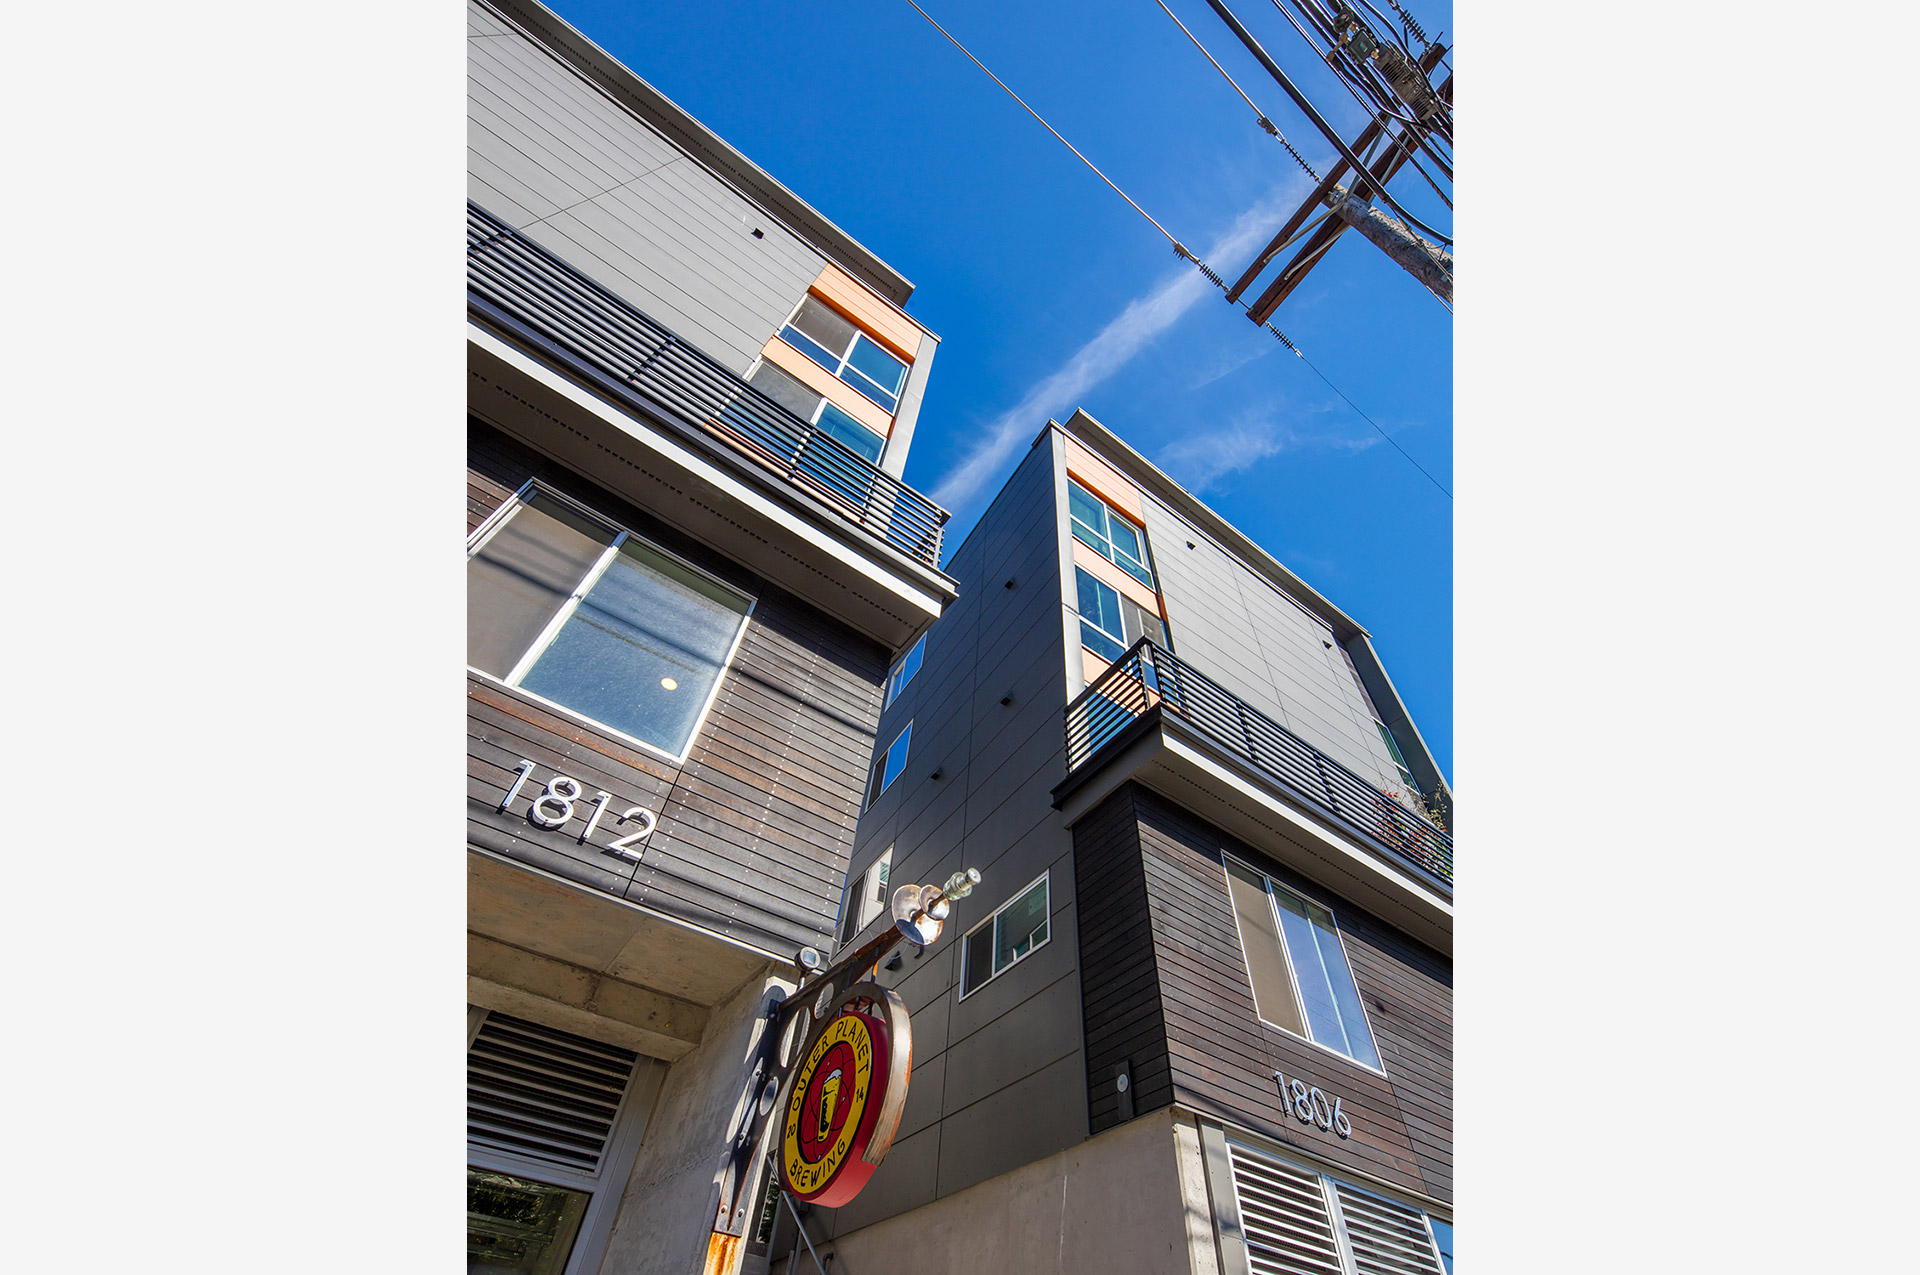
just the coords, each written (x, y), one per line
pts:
(1283, 1212)
(1387, 1238)
(544, 1094)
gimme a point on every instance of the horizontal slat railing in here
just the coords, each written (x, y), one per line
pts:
(1146, 675)
(538, 289)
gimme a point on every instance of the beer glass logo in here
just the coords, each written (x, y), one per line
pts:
(830, 1101)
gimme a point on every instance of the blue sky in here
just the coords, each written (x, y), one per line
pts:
(1050, 293)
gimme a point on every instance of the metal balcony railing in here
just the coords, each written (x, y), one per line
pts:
(560, 304)
(1147, 676)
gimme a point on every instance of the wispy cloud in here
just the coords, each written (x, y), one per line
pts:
(1143, 319)
(1199, 461)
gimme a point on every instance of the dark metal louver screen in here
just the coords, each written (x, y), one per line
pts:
(544, 1094)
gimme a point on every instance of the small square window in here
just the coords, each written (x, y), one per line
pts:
(903, 671)
(887, 766)
(1100, 528)
(1102, 630)
(1021, 926)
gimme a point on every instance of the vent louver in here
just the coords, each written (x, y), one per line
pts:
(544, 1094)
(1387, 1238)
(1283, 1211)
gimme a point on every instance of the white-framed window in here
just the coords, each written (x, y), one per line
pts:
(866, 896)
(582, 614)
(553, 1122)
(888, 765)
(1108, 532)
(783, 388)
(1018, 929)
(904, 670)
(830, 339)
(1110, 622)
(1102, 631)
(1297, 964)
(1295, 1218)
(1386, 735)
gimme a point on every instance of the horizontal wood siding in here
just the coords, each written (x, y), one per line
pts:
(1121, 1012)
(1222, 1057)
(754, 830)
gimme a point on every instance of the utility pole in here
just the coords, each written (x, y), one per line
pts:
(1412, 113)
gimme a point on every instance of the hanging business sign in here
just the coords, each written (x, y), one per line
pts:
(845, 1096)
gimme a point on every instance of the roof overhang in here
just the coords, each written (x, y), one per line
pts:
(1163, 753)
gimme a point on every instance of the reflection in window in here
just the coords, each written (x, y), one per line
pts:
(825, 336)
(594, 619)
(1297, 966)
(516, 1226)
(903, 671)
(1101, 628)
(1099, 528)
(887, 767)
(1006, 938)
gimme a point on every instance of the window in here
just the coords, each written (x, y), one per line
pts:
(1293, 1218)
(587, 616)
(824, 465)
(1006, 938)
(1386, 736)
(1110, 622)
(1107, 533)
(553, 1120)
(866, 897)
(1393, 751)
(903, 671)
(1101, 628)
(823, 335)
(887, 766)
(1298, 967)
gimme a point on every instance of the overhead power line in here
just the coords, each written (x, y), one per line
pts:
(1180, 249)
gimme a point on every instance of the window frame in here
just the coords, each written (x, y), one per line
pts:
(862, 907)
(1044, 879)
(1105, 546)
(499, 518)
(895, 683)
(1293, 974)
(845, 357)
(1098, 583)
(604, 1189)
(875, 788)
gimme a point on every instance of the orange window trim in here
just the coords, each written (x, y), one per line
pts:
(898, 334)
(828, 386)
(1100, 569)
(1103, 480)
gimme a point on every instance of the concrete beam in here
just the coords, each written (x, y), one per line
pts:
(528, 985)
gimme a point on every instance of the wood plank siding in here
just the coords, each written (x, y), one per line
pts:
(754, 830)
(1165, 988)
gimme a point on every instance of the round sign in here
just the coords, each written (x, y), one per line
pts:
(845, 1097)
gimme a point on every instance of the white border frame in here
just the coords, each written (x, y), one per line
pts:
(498, 519)
(1047, 877)
(1293, 976)
(1112, 555)
(1120, 641)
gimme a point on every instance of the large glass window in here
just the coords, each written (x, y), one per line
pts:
(1006, 938)
(589, 617)
(1098, 527)
(829, 339)
(1301, 981)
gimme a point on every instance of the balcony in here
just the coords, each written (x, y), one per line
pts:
(511, 277)
(1150, 682)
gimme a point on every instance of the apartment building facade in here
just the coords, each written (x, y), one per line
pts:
(1200, 1016)
(691, 563)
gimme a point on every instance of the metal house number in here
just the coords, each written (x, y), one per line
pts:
(556, 804)
(1310, 1105)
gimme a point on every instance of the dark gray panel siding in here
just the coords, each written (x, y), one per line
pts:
(755, 828)
(1255, 641)
(590, 181)
(998, 1078)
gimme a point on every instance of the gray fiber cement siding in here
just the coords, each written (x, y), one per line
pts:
(998, 1079)
(1228, 621)
(587, 179)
